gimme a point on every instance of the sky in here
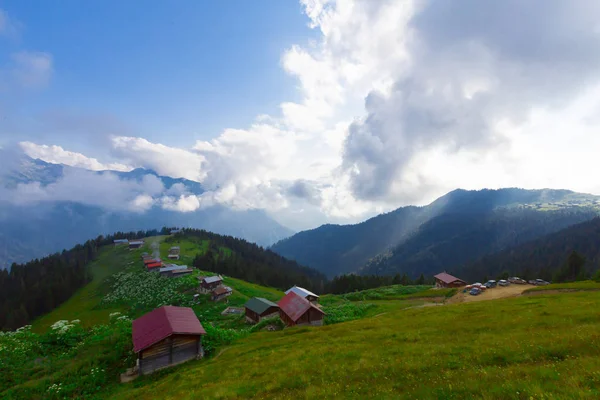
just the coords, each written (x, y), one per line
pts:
(316, 111)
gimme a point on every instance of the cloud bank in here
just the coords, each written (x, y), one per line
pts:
(400, 102)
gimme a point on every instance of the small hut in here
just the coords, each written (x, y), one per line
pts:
(296, 310)
(220, 293)
(209, 283)
(136, 244)
(165, 337)
(307, 294)
(258, 308)
(445, 280)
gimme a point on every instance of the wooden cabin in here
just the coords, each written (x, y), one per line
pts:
(181, 272)
(209, 283)
(296, 310)
(173, 256)
(444, 280)
(258, 308)
(220, 293)
(307, 294)
(154, 266)
(168, 269)
(174, 250)
(136, 244)
(165, 337)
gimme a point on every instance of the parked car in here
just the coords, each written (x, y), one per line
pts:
(517, 280)
(475, 291)
(541, 282)
(490, 284)
(503, 282)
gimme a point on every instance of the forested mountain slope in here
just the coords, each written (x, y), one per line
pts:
(543, 257)
(456, 228)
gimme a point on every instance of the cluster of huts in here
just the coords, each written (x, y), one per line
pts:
(170, 335)
(132, 244)
(298, 307)
(154, 264)
(214, 286)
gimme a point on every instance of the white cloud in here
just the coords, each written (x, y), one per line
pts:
(165, 160)
(57, 155)
(8, 26)
(182, 203)
(401, 101)
(32, 69)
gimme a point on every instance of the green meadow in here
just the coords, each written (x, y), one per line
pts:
(384, 343)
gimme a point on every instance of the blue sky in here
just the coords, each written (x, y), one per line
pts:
(187, 69)
(313, 110)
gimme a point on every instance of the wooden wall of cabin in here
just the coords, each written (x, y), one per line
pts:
(172, 350)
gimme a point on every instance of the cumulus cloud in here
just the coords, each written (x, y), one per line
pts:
(32, 69)
(57, 155)
(475, 68)
(105, 190)
(401, 101)
(165, 160)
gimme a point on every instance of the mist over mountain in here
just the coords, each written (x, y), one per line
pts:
(47, 207)
(456, 228)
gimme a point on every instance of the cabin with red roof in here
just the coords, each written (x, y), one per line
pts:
(165, 337)
(296, 310)
(154, 266)
(445, 280)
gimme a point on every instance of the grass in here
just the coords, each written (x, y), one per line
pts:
(84, 303)
(582, 285)
(532, 348)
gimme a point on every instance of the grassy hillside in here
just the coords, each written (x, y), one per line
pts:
(379, 343)
(522, 348)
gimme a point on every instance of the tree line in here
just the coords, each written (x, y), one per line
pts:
(35, 288)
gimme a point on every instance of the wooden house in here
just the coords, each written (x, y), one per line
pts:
(181, 272)
(136, 244)
(174, 250)
(307, 294)
(165, 337)
(220, 293)
(168, 269)
(118, 242)
(258, 308)
(296, 310)
(444, 280)
(209, 283)
(173, 256)
(154, 266)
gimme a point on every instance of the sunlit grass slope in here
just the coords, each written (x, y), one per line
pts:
(520, 348)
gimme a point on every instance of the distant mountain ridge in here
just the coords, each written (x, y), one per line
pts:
(456, 228)
(35, 230)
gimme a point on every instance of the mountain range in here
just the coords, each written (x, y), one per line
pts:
(34, 229)
(453, 231)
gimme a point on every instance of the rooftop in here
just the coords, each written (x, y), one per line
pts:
(301, 292)
(222, 290)
(294, 306)
(161, 323)
(447, 278)
(259, 305)
(212, 279)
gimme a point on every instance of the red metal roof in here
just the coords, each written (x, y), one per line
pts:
(161, 323)
(221, 290)
(154, 265)
(447, 278)
(295, 306)
(151, 260)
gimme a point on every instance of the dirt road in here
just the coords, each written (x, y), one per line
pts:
(498, 292)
